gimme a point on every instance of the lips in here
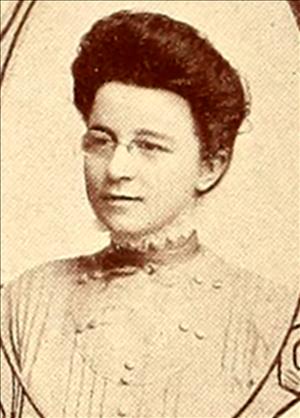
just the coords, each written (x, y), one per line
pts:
(121, 198)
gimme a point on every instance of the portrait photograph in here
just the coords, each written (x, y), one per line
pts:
(150, 171)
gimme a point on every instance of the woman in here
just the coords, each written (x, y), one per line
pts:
(155, 325)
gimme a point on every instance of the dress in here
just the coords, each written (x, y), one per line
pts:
(181, 334)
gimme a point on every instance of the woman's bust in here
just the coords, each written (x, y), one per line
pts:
(154, 325)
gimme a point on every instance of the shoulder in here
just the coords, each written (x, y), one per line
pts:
(58, 274)
(36, 289)
(39, 278)
(258, 315)
(251, 285)
(37, 303)
(268, 304)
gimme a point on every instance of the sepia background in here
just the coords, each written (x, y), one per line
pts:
(251, 219)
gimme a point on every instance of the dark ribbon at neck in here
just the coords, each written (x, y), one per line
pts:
(115, 259)
(121, 261)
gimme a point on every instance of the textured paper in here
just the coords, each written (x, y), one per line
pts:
(251, 220)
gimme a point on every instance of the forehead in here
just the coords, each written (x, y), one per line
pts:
(127, 107)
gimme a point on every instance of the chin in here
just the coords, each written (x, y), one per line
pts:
(126, 227)
(134, 224)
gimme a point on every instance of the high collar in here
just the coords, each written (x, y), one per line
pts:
(121, 261)
(176, 243)
(171, 237)
(173, 250)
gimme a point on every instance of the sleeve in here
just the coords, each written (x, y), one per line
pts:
(25, 304)
(12, 394)
(281, 386)
(14, 399)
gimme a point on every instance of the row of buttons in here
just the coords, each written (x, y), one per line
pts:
(185, 328)
(92, 324)
(129, 366)
(150, 269)
(215, 285)
(126, 380)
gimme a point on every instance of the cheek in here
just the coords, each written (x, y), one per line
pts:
(94, 174)
(176, 179)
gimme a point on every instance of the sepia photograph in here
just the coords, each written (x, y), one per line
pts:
(150, 171)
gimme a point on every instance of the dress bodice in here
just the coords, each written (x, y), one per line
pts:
(181, 339)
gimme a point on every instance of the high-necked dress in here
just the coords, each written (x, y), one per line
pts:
(173, 332)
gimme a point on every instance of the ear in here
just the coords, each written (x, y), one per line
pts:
(212, 171)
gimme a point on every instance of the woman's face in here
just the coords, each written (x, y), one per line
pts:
(142, 158)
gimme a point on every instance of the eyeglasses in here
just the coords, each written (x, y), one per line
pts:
(101, 144)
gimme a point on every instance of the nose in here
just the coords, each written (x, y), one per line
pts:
(121, 166)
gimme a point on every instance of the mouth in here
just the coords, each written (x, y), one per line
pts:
(121, 198)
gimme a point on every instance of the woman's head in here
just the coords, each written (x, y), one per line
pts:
(155, 51)
(162, 108)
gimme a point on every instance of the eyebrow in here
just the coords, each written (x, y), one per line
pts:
(142, 131)
(154, 134)
(104, 129)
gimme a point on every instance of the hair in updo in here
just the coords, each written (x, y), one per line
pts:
(155, 51)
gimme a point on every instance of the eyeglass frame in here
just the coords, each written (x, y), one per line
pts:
(114, 143)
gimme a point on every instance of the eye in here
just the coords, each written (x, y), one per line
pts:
(146, 145)
(94, 140)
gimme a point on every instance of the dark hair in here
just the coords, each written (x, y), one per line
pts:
(152, 50)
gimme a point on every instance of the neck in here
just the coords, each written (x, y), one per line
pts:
(171, 235)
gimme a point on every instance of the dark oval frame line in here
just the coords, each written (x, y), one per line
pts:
(11, 19)
(16, 35)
